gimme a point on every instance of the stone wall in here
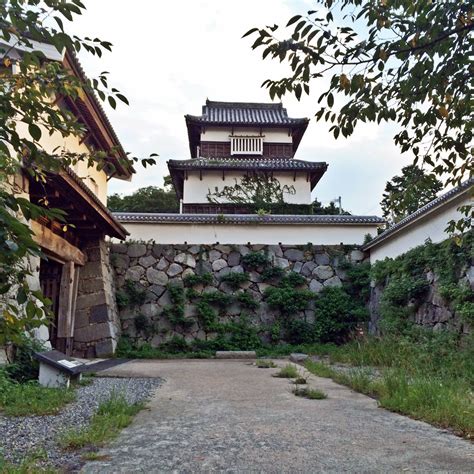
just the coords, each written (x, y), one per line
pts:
(433, 311)
(152, 268)
(97, 326)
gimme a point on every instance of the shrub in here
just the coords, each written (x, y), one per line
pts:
(217, 298)
(272, 273)
(25, 367)
(194, 280)
(175, 312)
(175, 345)
(207, 316)
(255, 260)
(246, 299)
(335, 316)
(300, 332)
(234, 280)
(293, 280)
(131, 294)
(288, 300)
(141, 322)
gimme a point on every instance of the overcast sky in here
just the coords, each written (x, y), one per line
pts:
(168, 57)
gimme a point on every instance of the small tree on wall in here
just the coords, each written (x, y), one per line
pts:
(408, 192)
(257, 189)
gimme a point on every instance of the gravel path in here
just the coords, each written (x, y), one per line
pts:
(229, 416)
(27, 434)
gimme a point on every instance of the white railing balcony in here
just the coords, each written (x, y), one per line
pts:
(246, 145)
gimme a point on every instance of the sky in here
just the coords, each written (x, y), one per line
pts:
(169, 56)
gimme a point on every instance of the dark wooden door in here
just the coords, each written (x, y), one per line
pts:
(50, 279)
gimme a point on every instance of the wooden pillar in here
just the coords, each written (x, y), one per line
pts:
(66, 307)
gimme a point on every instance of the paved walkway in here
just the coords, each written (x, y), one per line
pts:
(230, 416)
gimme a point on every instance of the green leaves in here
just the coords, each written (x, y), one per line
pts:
(34, 131)
(415, 76)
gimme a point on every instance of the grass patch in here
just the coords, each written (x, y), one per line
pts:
(32, 463)
(424, 375)
(300, 381)
(95, 456)
(265, 364)
(311, 393)
(23, 399)
(111, 417)
(288, 372)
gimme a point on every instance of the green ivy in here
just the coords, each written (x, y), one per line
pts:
(272, 274)
(247, 300)
(235, 280)
(130, 295)
(293, 280)
(255, 260)
(288, 301)
(175, 311)
(194, 280)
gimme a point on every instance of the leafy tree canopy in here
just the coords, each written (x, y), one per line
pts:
(400, 61)
(29, 110)
(148, 199)
(408, 192)
(330, 210)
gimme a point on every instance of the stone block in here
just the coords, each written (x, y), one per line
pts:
(99, 313)
(254, 277)
(237, 269)
(120, 260)
(294, 255)
(323, 272)
(165, 299)
(174, 269)
(281, 262)
(333, 282)
(136, 250)
(147, 261)
(236, 355)
(223, 272)
(307, 268)
(185, 259)
(214, 255)
(218, 264)
(162, 264)
(262, 287)
(356, 256)
(315, 286)
(169, 253)
(90, 285)
(89, 300)
(149, 309)
(81, 318)
(298, 357)
(156, 277)
(203, 267)
(194, 249)
(119, 248)
(157, 250)
(322, 259)
(275, 250)
(93, 332)
(243, 250)
(105, 348)
(224, 248)
(470, 276)
(157, 290)
(234, 259)
(135, 273)
(297, 267)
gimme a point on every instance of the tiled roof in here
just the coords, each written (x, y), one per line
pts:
(245, 113)
(137, 217)
(421, 211)
(247, 163)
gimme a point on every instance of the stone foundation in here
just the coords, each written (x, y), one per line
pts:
(152, 268)
(97, 326)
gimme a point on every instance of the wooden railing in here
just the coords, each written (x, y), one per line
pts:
(246, 145)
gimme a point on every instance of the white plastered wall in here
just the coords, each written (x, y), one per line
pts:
(196, 190)
(431, 226)
(95, 180)
(271, 135)
(241, 234)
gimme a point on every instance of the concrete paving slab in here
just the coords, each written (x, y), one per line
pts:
(230, 416)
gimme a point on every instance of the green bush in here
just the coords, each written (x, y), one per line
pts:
(293, 280)
(300, 332)
(25, 366)
(255, 260)
(272, 273)
(247, 301)
(175, 311)
(194, 280)
(131, 294)
(335, 315)
(235, 280)
(288, 301)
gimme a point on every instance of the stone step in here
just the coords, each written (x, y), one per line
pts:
(236, 355)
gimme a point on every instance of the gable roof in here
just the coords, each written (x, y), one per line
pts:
(423, 211)
(178, 168)
(243, 114)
